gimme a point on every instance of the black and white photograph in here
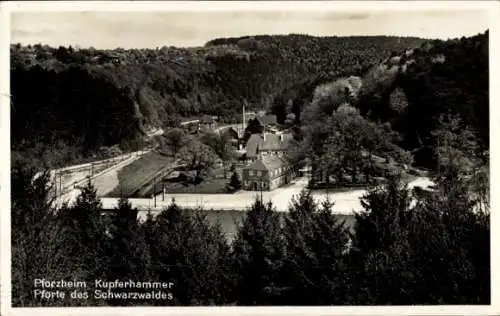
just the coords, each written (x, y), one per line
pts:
(251, 154)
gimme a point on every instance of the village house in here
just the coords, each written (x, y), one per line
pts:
(191, 126)
(249, 115)
(232, 135)
(266, 174)
(262, 123)
(207, 122)
(267, 120)
(267, 144)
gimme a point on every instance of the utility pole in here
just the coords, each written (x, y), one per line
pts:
(261, 185)
(163, 192)
(154, 190)
(328, 186)
(243, 123)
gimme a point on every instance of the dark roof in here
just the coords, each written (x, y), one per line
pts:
(267, 120)
(230, 131)
(267, 164)
(273, 142)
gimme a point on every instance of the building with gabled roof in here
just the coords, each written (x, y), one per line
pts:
(267, 173)
(268, 144)
(208, 122)
(267, 119)
(264, 121)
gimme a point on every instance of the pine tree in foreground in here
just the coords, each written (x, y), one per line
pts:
(432, 253)
(32, 230)
(452, 241)
(83, 242)
(187, 251)
(234, 182)
(315, 245)
(258, 257)
(378, 258)
(384, 216)
(123, 247)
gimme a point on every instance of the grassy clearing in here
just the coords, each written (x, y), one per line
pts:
(140, 172)
(209, 186)
(214, 183)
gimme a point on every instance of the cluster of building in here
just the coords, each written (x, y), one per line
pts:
(203, 124)
(263, 154)
(266, 167)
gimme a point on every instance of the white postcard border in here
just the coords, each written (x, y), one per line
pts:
(339, 6)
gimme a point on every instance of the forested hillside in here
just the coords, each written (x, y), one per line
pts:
(413, 91)
(405, 250)
(361, 108)
(79, 100)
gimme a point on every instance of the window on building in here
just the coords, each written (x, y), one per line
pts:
(250, 172)
(259, 173)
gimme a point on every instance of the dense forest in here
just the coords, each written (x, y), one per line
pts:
(413, 91)
(406, 249)
(355, 103)
(79, 100)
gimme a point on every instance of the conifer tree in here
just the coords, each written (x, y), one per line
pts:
(122, 246)
(258, 257)
(82, 239)
(234, 182)
(188, 252)
(315, 246)
(145, 243)
(433, 253)
(453, 239)
(380, 245)
(32, 226)
(381, 222)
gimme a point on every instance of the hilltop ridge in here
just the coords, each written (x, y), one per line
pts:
(84, 99)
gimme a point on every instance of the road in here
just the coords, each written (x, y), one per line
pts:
(104, 181)
(346, 203)
(155, 132)
(68, 175)
(107, 180)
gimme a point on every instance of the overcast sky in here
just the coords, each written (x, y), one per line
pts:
(149, 30)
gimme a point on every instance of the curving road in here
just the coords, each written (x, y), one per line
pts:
(345, 202)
